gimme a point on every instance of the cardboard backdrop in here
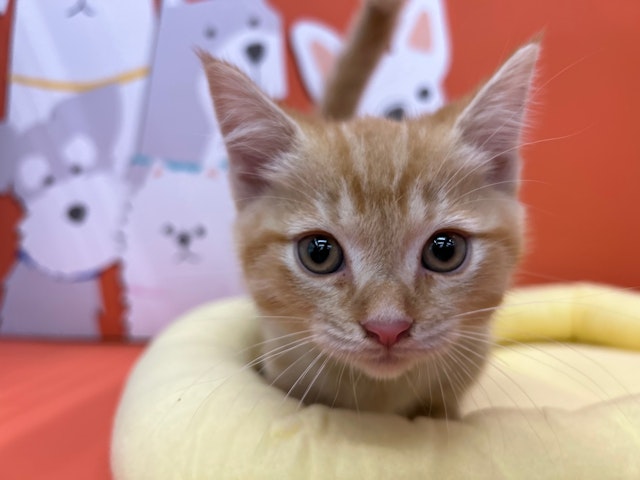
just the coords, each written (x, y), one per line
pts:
(114, 205)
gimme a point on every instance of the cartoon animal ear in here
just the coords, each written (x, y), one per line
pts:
(257, 133)
(315, 48)
(423, 29)
(493, 121)
(33, 172)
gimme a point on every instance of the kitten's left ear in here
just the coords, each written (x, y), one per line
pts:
(257, 133)
(494, 119)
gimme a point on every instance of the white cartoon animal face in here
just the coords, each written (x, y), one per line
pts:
(187, 236)
(62, 173)
(83, 35)
(257, 49)
(179, 253)
(70, 229)
(409, 79)
(180, 123)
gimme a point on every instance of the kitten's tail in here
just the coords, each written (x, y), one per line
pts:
(369, 38)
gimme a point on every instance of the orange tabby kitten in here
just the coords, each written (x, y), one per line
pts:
(376, 250)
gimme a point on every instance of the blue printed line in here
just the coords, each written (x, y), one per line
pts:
(143, 160)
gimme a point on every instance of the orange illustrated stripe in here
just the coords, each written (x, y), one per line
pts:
(79, 87)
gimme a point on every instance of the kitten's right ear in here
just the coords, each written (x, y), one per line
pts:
(257, 133)
(494, 119)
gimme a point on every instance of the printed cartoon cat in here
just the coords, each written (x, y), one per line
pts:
(409, 78)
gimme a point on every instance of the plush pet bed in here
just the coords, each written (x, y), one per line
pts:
(561, 399)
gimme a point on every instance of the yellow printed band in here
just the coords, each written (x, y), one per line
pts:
(79, 87)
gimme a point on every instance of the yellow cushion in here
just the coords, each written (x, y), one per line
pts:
(541, 410)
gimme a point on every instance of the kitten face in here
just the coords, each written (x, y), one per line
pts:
(382, 247)
(381, 190)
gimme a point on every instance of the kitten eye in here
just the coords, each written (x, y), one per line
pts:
(444, 252)
(320, 254)
(168, 229)
(76, 169)
(254, 22)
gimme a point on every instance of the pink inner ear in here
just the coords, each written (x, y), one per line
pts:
(420, 38)
(324, 58)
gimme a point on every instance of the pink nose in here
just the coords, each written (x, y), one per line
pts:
(387, 333)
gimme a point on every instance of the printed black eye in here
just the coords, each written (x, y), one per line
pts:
(76, 169)
(210, 33)
(200, 231)
(444, 252)
(320, 253)
(424, 93)
(168, 229)
(254, 22)
(48, 180)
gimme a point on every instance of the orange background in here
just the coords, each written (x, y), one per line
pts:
(582, 172)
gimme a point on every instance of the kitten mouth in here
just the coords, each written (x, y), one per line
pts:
(387, 365)
(393, 361)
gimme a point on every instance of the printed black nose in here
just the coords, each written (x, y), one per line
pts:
(255, 52)
(184, 239)
(77, 213)
(396, 113)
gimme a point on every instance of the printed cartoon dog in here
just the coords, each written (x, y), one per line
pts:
(179, 253)
(409, 79)
(179, 122)
(61, 48)
(73, 208)
(179, 250)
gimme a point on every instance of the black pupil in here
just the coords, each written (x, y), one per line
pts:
(319, 250)
(423, 93)
(443, 247)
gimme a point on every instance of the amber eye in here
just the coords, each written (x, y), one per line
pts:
(444, 252)
(320, 254)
